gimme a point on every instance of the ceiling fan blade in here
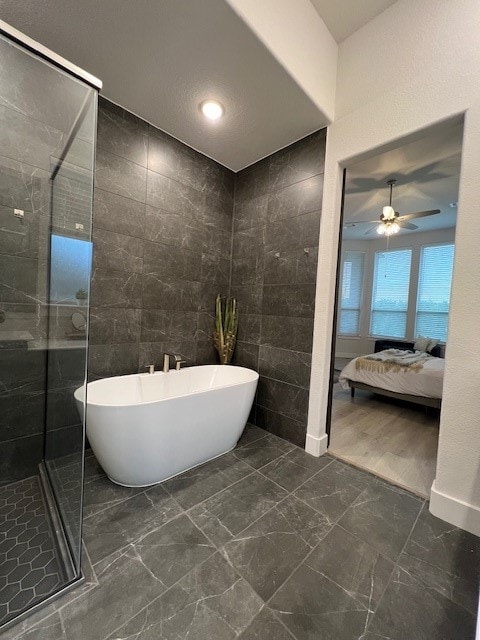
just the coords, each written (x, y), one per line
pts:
(407, 225)
(354, 224)
(418, 214)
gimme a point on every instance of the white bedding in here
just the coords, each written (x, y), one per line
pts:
(427, 383)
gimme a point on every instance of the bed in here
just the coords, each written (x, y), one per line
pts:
(423, 386)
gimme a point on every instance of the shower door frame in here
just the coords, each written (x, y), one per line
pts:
(40, 51)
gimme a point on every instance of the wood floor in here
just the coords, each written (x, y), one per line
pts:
(394, 440)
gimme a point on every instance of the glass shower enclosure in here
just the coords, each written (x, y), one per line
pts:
(47, 150)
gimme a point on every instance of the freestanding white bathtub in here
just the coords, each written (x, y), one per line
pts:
(145, 428)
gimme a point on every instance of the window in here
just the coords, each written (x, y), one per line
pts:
(391, 283)
(351, 293)
(434, 286)
(70, 265)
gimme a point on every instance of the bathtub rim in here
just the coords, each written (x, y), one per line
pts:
(80, 397)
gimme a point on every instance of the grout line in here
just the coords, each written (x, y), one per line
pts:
(395, 566)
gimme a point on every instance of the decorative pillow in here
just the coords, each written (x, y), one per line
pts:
(425, 344)
(422, 344)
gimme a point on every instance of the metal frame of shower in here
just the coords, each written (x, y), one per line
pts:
(58, 525)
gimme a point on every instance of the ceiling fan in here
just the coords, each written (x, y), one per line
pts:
(391, 221)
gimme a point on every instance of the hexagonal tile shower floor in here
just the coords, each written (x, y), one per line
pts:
(29, 560)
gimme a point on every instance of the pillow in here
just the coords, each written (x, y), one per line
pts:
(425, 344)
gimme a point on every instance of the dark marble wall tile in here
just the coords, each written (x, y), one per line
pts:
(22, 371)
(295, 334)
(293, 233)
(160, 325)
(252, 213)
(298, 266)
(119, 214)
(246, 355)
(206, 353)
(172, 159)
(215, 270)
(218, 208)
(169, 262)
(28, 140)
(249, 327)
(121, 133)
(292, 300)
(152, 352)
(113, 359)
(165, 293)
(118, 175)
(24, 186)
(116, 289)
(299, 161)
(20, 458)
(171, 195)
(253, 181)
(173, 229)
(19, 237)
(300, 197)
(117, 251)
(109, 325)
(288, 366)
(19, 279)
(280, 425)
(274, 267)
(287, 399)
(61, 407)
(22, 415)
(205, 325)
(159, 265)
(249, 298)
(66, 368)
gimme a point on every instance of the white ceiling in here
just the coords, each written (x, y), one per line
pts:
(344, 17)
(427, 173)
(161, 58)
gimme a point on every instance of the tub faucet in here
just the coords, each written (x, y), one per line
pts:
(151, 368)
(166, 361)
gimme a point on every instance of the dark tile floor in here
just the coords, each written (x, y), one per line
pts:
(265, 543)
(31, 567)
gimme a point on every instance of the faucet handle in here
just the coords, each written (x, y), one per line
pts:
(178, 363)
(150, 367)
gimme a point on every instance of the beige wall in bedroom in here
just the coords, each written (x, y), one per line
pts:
(415, 65)
(349, 347)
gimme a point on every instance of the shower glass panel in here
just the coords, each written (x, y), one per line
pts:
(47, 143)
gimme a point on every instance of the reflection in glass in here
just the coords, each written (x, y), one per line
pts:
(70, 260)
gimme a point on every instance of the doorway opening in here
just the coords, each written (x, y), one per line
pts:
(392, 304)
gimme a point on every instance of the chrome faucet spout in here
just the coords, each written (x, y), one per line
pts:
(166, 361)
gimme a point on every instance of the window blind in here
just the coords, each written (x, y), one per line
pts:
(351, 293)
(434, 287)
(391, 283)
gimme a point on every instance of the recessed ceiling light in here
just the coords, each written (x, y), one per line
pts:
(212, 109)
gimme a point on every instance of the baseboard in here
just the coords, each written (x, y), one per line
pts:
(461, 514)
(316, 446)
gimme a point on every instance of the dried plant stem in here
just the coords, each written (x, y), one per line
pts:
(225, 331)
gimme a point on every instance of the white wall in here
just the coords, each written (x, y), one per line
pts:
(352, 346)
(298, 38)
(414, 66)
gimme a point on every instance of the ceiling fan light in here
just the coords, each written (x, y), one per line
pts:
(389, 228)
(381, 229)
(388, 213)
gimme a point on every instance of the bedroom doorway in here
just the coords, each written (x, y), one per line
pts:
(393, 295)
